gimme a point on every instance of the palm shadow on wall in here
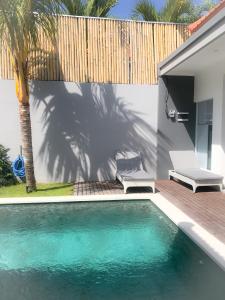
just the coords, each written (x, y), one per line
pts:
(83, 125)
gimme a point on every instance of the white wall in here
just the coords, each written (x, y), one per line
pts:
(209, 84)
(9, 118)
(78, 127)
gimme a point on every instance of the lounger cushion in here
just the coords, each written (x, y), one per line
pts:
(128, 161)
(199, 174)
(134, 176)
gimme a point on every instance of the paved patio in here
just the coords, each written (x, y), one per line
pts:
(98, 188)
(104, 188)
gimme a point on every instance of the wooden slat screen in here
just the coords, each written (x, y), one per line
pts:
(101, 50)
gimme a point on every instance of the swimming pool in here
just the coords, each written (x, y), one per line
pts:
(108, 250)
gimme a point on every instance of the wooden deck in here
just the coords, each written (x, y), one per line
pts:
(206, 207)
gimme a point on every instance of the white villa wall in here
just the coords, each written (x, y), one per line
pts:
(78, 127)
(209, 84)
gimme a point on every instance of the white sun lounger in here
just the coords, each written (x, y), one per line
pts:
(130, 171)
(187, 169)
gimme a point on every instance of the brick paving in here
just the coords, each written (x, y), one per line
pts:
(104, 188)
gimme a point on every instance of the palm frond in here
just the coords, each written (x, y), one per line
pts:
(174, 9)
(145, 10)
(73, 7)
(102, 8)
(89, 8)
(94, 8)
(20, 21)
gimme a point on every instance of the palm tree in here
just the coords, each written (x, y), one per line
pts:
(197, 11)
(172, 11)
(20, 21)
(94, 8)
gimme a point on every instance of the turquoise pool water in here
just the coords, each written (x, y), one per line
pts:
(111, 250)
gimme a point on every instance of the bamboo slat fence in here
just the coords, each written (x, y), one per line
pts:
(101, 50)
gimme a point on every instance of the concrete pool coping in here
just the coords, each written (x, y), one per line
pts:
(205, 240)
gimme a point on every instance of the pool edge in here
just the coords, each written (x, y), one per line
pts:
(66, 199)
(213, 247)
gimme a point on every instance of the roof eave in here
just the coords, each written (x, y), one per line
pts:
(210, 31)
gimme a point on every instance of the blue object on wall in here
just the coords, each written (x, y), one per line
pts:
(18, 167)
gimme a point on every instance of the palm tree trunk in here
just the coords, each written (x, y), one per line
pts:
(25, 126)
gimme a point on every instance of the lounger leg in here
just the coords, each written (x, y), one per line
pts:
(221, 187)
(153, 189)
(194, 188)
(125, 187)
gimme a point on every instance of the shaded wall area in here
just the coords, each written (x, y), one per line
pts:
(77, 128)
(175, 93)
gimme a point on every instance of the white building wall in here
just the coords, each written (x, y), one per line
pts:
(209, 84)
(77, 128)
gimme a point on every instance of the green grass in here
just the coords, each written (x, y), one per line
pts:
(43, 189)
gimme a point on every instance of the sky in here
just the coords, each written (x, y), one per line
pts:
(124, 8)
